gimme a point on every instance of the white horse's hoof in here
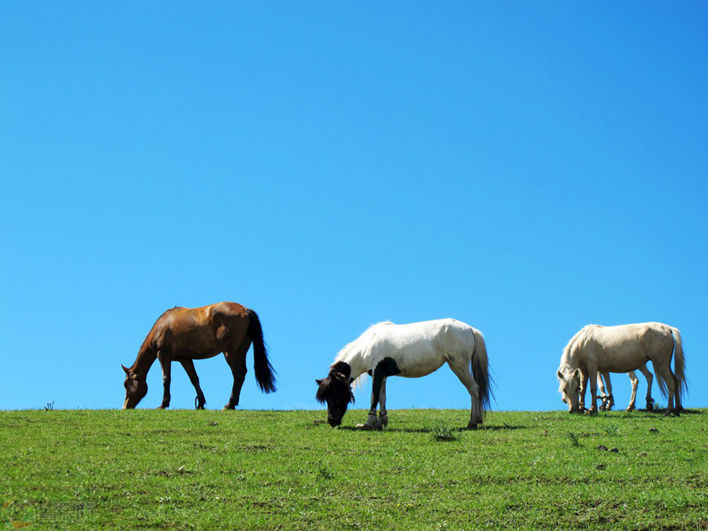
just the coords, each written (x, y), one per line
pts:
(372, 423)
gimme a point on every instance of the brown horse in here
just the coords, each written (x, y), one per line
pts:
(186, 334)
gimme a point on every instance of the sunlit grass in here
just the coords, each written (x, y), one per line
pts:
(246, 469)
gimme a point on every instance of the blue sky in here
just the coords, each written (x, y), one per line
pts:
(527, 168)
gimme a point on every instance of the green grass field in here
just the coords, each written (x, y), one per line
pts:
(273, 469)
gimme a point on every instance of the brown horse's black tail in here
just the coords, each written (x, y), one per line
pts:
(265, 374)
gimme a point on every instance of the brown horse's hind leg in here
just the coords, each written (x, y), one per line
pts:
(192, 373)
(237, 361)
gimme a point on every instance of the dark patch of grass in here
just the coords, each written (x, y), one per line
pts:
(443, 432)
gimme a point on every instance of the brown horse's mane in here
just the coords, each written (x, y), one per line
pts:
(145, 346)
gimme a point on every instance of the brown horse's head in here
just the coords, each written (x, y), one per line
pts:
(570, 388)
(135, 388)
(336, 391)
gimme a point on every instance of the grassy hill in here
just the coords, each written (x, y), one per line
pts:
(273, 469)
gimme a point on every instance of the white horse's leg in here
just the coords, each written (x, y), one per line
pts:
(371, 421)
(663, 371)
(592, 376)
(463, 372)
(650, 380)
(583, 387)
(635, 384)
(607, 401)
(601, 387)
(386, 367)
(383, 414)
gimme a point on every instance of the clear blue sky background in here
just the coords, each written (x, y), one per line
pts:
(527, 168)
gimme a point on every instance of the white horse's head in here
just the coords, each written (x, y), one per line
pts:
(569, 388)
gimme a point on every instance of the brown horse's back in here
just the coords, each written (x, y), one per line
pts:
(195, 333)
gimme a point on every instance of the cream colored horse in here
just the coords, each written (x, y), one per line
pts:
(601, 349)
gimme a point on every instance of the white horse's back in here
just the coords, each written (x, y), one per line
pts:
(421, 348)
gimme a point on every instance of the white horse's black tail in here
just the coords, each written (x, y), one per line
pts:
(265, 374)
(679, 365)
(480, 370)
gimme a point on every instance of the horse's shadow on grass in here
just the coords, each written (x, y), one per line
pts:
(661, 411)
(431, 429)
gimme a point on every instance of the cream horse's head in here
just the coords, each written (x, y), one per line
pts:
(570, 388)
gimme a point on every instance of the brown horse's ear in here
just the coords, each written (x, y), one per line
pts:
(126, 369)
(318, 382)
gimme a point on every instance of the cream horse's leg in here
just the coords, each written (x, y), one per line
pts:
(592, 376)
(583, 388)
(635, 383)
(607, 401)
(463, 372)
(601, 389)
(650, 379)
(664, 371)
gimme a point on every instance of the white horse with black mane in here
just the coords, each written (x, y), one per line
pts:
(601, 349)
(409, 350)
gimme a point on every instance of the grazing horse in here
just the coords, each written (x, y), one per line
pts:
(622, 349)
(187, 334)
(410, 350)
(608, 400)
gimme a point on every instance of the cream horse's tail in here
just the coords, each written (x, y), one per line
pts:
(480, 370)
(679, 364)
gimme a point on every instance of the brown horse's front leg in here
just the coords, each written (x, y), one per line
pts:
(166, 364)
